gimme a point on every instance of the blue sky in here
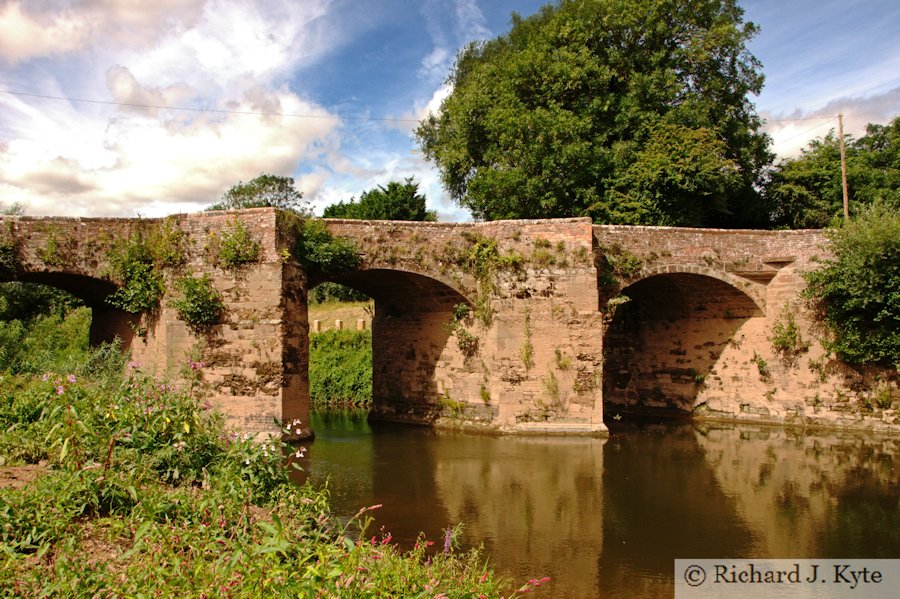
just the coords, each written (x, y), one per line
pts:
(360, 73)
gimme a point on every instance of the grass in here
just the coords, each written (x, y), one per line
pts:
(340, 369)
(348, 312)
(138, 490)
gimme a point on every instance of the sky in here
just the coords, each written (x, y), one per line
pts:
(125, 108)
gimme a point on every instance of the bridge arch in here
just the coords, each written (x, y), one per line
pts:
(738, 284)
(107, 322)
(411, 346)
(668, 337)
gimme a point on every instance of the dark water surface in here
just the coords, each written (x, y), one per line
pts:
(607, 517)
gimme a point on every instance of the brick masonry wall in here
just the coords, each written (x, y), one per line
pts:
(693, 339)
(255, 360)
(421, 373)
(712, 355)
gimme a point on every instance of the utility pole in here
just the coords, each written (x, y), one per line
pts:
(843, 165)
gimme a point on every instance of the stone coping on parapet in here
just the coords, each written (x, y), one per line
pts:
(709, 230)
(427, 224)
(489, 223)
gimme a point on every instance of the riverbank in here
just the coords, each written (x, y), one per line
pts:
(121, 484)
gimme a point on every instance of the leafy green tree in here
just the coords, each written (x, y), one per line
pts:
(680, 177)
(876, 172)
(263, 191)
(806, 192)
(397, 201)
(569, 112)
(857, 292)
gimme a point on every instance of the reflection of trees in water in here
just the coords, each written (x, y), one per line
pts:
(535, 503)
(608, 518)
(830, 495)
(865, 520)
(661, 502)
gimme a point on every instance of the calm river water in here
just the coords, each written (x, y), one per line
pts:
(607, 517)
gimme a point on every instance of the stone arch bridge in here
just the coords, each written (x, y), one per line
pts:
(516, 326)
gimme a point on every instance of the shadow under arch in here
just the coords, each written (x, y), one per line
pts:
(107, 322)
(661, 344)
(410, 335)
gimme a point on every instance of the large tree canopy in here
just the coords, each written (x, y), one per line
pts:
(574, 112)
(263, 191)
(397, 201)
(806, 192)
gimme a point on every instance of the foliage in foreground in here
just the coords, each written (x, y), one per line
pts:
(340, 368)
(142, 493)
(857, 292)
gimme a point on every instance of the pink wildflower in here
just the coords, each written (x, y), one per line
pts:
(60, 390)
(448, 535)
(71, 378)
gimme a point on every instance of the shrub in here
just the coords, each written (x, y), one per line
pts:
(786, 338)
(9, 257)
(234, 247)
(857, 292)
(167, 244)
(200, 303)
(340, 368)
(466, 341)
(762, 366)
(25, 301)
(141, 282)
(319, 251)
(50, 342)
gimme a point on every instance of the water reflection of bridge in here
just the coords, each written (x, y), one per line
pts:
(607, 517)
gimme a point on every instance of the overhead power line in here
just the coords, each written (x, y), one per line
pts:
(210, 110)
(802, 133)
(810, 118)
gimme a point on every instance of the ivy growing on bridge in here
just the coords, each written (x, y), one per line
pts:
(200, 304)
(315, 247)
(137, 262)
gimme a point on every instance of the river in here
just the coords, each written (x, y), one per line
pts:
(607, 517)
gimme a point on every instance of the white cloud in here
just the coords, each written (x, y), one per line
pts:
(793, 131)
(435, 63)
(164, 160)
(73, 158)
(471, 24)
(32, 30)
(24, 36)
